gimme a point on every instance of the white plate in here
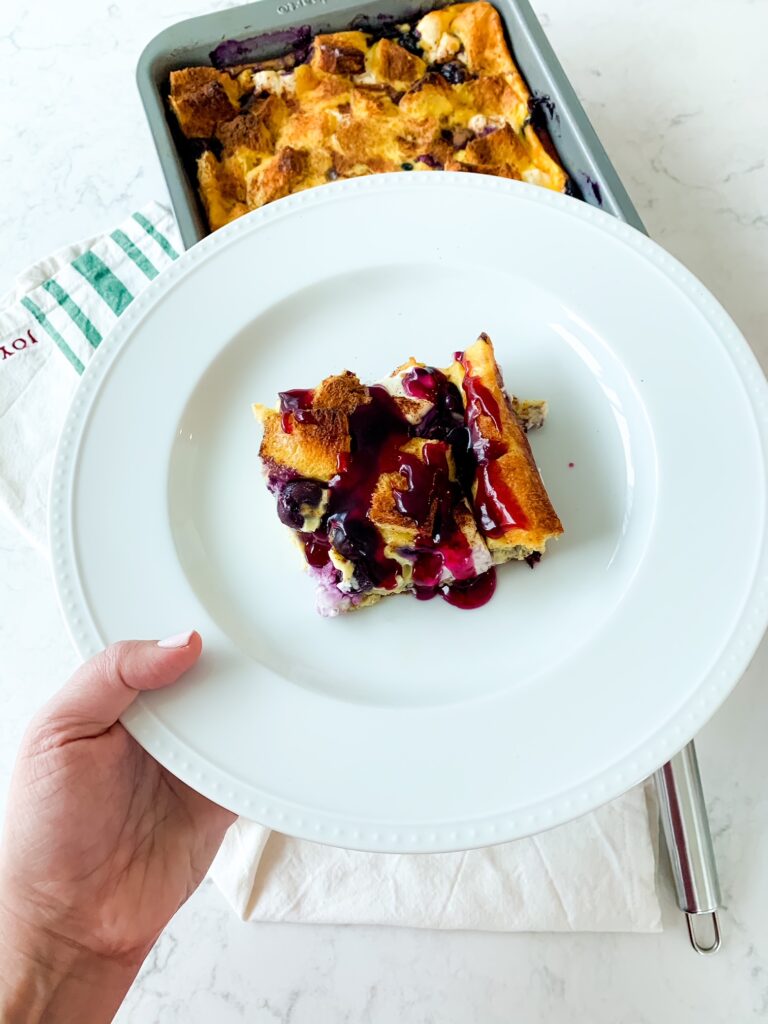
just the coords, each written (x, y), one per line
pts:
(416, 726)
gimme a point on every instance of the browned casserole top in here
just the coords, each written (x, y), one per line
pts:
(441, 95)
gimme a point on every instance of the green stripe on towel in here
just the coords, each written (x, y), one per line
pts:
(76, 314)
(103, 281)
(46, 324)
(134, 252)
(158, 236)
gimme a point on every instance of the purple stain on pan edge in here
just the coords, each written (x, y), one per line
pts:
(542, 110)
(242, 51)
(373, 24)
(542, 114)
(299, 39)
(595, 188)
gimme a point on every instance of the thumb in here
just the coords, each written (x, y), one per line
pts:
(104, 687)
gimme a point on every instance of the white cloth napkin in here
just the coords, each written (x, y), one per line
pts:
(593, 874)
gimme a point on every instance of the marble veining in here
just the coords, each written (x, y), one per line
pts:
(677, 93)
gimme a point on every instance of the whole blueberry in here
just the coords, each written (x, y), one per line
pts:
(453, 72)
(352, 538)
(410, 42)
(293, 496)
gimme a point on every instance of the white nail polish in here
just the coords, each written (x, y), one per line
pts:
(177, 640)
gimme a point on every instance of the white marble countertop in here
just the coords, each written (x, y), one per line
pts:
(678, 93)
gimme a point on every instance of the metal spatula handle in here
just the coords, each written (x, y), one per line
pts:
(686, 829)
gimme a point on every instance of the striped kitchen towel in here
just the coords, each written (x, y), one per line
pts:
(51, 323)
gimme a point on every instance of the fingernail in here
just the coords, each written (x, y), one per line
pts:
(177, 640)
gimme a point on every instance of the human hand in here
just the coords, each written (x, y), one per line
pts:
(101, 844)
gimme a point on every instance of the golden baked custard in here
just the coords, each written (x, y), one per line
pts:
(442, 94)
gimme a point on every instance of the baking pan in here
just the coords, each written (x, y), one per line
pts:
(266, 29)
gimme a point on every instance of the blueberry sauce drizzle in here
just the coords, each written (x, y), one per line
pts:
(471, 593)
(496, 507)
(296, 406)
(424, 493)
